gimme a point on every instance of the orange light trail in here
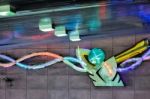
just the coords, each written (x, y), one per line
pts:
(108, 68)
(30, 56)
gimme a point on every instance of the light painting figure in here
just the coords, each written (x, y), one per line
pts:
(102, 71)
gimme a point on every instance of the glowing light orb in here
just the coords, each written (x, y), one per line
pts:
(96, 56)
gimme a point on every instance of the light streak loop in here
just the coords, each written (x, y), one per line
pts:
(18, 61)
(136, 62)
(69, 61)
(11, 60)
(38, 66)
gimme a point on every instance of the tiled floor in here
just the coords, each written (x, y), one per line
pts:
(61, 82)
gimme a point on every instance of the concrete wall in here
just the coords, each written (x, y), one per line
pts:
(61, 82)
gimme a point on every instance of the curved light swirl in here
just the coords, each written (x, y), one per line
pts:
(70, 62)
(12, 62)
(136, 62)
(38, 66)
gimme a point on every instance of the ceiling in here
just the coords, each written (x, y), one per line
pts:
(96, 20)
(37, 4)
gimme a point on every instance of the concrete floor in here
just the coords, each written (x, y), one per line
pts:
(61, 82)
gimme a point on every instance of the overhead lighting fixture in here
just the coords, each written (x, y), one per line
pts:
(7, 10)
(74, 35)
(60, 31)
(45, 25)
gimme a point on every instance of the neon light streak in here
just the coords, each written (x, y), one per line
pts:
(35, 37)
(136, 62)
(69, 60)
(100, 76)
(108, 68)
(12, 61)
(17, 62)
(103, 11)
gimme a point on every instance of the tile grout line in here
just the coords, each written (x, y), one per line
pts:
(6, 83)
(47, 79)
(90, 80)
(5, 86)
(134, 71)
(112, 55)
(26, 83)
(68, 71)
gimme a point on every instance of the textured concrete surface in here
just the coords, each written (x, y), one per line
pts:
(61, 82)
